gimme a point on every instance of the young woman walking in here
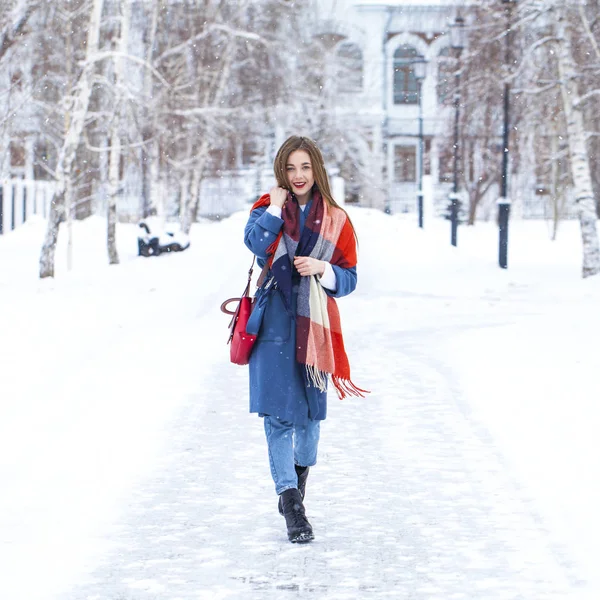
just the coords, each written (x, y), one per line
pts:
(309, 244)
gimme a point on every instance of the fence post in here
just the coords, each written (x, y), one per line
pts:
(18, 211)
(12, 207)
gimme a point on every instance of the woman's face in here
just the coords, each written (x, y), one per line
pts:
(299, 172)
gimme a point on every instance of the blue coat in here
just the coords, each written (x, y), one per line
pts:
(278, 383)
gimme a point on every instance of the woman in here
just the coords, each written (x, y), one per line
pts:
(309, 244)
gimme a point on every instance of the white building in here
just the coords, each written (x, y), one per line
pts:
(383, 38)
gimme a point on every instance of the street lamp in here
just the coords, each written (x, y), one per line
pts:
(504, 201)
(457, 43)
(419, 67)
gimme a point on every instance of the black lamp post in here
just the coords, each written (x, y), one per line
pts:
(457, 42)
(419, 69)
(504, 201)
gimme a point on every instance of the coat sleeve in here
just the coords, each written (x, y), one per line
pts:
(261, 230)
(345, 280)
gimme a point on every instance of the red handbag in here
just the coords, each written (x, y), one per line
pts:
(241, 342)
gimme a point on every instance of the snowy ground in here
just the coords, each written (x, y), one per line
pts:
(130, 468)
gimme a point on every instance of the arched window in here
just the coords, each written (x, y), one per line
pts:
(349, 68)
(406, 89)
(445, 74)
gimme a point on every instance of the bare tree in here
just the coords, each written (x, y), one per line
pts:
(14, 19)
(77, 110)
(577, 139)
(13, 23)
(115, 130)
(546, 70)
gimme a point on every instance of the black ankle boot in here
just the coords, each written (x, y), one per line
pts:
(302, 474)
(298, 528)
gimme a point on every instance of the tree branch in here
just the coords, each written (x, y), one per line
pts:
(16, 24)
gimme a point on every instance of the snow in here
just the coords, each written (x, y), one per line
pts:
(130, 467)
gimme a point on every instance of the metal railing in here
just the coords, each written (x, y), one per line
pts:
(22, 198)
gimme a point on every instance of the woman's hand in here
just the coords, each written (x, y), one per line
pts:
(309, 266)
(278, 196)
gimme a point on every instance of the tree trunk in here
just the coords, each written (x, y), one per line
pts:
(184, 193)
(68, 201)
(78, 110)
(580, 167)
(195, 194)
(593, 144)
(154, 176)
(555, 188)
(57, 208)
(144, 171)
(68, 204)
(150, 149)
(115, 137)
(473, 202)
(113, 191)
(191, 208)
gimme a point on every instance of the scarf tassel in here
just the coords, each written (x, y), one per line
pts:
(316, 377)
(345, 388)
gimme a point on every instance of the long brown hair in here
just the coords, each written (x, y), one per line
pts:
(294, 143)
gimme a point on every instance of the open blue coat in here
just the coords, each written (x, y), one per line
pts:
(278, 383)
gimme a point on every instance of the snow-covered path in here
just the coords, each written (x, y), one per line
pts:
(131, 470)
(409, 501)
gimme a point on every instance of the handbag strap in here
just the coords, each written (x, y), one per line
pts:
(246, 292)
(263, 275)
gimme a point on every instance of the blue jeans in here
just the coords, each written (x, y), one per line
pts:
(290, 445)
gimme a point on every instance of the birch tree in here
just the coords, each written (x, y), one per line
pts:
(124, 8)
(224, 63)
(150, 163)
(209, 110)
(77, 108)
(588, 54)
(576, 136)
(545, 64)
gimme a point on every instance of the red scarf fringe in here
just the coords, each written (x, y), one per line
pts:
(345, 388)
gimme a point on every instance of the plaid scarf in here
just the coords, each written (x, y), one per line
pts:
(328, 236)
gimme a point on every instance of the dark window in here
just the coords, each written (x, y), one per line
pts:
(406, 88)
(445, 74)
(349, 68)
(405, 164)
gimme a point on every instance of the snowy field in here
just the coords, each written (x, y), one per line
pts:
(130, 468)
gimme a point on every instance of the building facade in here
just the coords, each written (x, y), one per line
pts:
(383, 40)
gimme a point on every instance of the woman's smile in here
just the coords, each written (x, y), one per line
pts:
(299, 165)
